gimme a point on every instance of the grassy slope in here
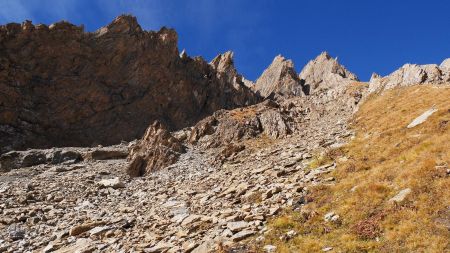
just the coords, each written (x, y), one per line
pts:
(384, 158)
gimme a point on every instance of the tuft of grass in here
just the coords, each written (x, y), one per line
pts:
(318, 161)
(241, 114)
(384, 158)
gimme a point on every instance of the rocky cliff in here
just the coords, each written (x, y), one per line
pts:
(280, 78)
(324, 77)
(61, 86)
(325, 73)
(412, 74)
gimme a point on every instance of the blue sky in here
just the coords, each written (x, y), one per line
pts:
(367, 36)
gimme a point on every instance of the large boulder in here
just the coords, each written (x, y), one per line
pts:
(233, 126)
(156, 150)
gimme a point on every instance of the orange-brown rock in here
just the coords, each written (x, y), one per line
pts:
(156, 150)
(225, 127)
(61, 86)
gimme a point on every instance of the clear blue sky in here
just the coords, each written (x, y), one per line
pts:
(366, 35)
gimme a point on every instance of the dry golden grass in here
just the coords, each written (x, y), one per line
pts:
(384, 158)
(356, 87)
(243, 113)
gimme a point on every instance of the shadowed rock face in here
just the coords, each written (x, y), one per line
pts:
(60, 86)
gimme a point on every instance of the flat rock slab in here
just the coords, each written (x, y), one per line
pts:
(237, 225)
(108, 153)
(422, 118)
(242, 235)
(401, 196)
(114, 183)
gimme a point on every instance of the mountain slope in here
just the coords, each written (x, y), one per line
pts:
(388, 192)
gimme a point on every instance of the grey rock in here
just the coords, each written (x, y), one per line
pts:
(16, 232)
(108, 153)
(331, 217)
(401, 196)
(270, 248)
(160, 247)
(18, 159)
(190, 219)
(237, 226)
(99, 230)
(422, 118)
(114, 183)
(242, 235)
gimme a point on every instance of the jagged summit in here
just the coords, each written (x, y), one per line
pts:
(280, 77)
(121, 24)
(374, 76)
(224, 61)
(325, 72)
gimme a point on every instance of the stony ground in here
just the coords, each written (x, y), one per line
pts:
(194, 205)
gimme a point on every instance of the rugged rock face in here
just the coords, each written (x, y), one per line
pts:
(412, 74)
(225, 127)
(156, 150)
(61, 86)
(64, 156)
(325, 73)
(281, 78)
(209, 196)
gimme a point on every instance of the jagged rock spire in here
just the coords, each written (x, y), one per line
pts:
(280, 77)
(224, 62)
(374, 76)
(123, 24)
(325, 72)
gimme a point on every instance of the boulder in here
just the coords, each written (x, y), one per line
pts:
(237, 226)
(19, 159)
(61, 156)
(156, 150)
(114, 183)
(273, 124)
(242, 235)
(401, 196)
(422, 118)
